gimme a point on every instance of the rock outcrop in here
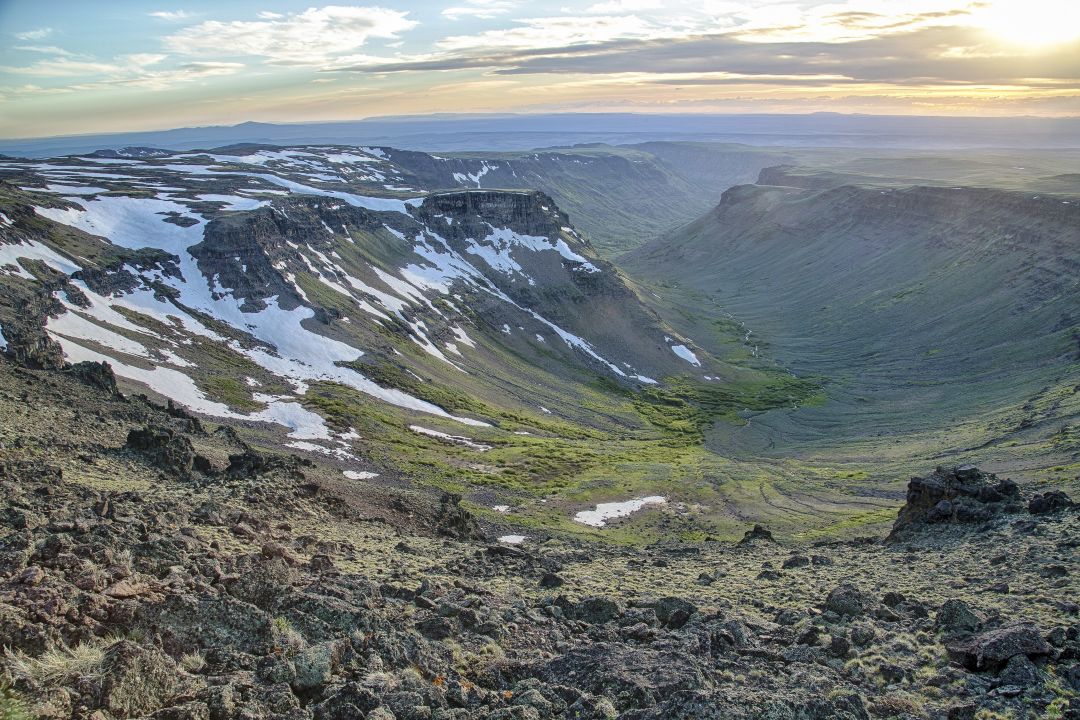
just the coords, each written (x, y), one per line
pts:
(954, 495)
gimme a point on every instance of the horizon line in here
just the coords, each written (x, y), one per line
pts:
(481, 115)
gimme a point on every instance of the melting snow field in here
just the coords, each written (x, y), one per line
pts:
(610, 511)
(513, 539)
(359, 474)
(455, 439)
(686, 354)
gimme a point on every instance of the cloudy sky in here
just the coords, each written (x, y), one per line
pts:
(78, 66)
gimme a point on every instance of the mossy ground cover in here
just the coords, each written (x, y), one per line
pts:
(548, 467)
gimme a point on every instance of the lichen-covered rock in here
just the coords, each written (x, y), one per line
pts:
(848, 601)
(136, 680)
(956, 616)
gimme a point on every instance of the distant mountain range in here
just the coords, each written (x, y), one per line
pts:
(445, 133)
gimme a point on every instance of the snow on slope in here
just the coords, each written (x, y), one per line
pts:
(301, 354)
(686, 354)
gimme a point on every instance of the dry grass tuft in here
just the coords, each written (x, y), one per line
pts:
(60, 665)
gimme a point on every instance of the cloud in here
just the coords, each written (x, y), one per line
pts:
(38, 34)
(905, 50)
(481, 9)
(65, 67)
(312, 37)
(44, 49)
(553, 32)
(171, 15)
(618, 7)
(139, 70)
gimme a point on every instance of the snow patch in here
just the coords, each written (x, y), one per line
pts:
(359, 474)
(455, 439)
(610, 511)
(686, 354)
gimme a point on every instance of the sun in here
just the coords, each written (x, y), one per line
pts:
(1030, 22)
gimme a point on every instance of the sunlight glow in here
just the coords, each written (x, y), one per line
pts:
(1032, 23)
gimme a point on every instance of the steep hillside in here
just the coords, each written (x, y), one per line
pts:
(157, 566)
(465, 339)
(940, 318)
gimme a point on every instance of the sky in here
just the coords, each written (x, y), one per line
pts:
(82, 66)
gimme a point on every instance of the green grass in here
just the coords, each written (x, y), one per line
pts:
(683, 407)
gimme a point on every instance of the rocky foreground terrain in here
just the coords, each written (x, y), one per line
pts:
(153, 565)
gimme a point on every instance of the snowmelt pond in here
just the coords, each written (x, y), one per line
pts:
(610, 511)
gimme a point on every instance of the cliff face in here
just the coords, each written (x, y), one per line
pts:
(620, 197)
(253, 253)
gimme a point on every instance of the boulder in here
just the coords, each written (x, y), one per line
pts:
(551, 580)
(991, 649)
(956, 616)
(163, 448)
(848, 600)
(758, 533)
(597, 610)
(674, 612)
(1019, 671)
(456, 522)
(136, 680)
(315, 665)
(95, 374)
(1049, 502)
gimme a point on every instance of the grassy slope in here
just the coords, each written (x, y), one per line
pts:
(942, 333)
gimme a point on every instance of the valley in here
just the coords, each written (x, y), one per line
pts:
(500, 360)
(601, 432)
(432, 319)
